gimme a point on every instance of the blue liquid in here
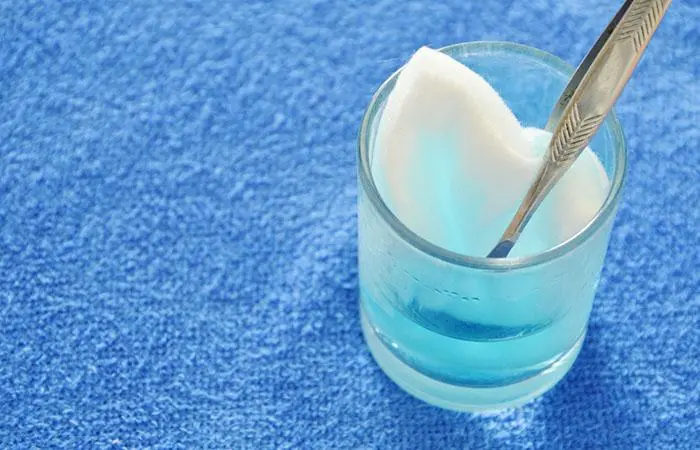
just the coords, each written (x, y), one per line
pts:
(474, 335)
(470, 353)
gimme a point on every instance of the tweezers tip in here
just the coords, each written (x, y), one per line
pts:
(502, 249)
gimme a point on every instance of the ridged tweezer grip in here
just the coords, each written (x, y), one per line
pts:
(605, 78)
(641, 20)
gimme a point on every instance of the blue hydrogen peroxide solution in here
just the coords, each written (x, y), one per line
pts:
(477, 336)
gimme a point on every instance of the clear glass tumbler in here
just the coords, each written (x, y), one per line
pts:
(466, 332)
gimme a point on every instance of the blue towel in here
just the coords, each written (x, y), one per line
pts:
(178, 229)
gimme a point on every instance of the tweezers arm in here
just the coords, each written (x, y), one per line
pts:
(605, 79)
(586, 101)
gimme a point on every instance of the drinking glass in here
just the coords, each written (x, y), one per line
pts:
(462, 331)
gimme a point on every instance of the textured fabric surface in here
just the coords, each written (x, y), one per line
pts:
(178, 229)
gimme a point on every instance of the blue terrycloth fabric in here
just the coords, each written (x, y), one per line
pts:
(178, 235)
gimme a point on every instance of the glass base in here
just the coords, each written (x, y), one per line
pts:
(462, 398)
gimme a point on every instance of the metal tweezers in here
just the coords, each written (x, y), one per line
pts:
(586, 101)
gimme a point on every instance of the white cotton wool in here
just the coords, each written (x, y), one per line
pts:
(452, 162)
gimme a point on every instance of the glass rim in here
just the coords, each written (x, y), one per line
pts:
(482, 262)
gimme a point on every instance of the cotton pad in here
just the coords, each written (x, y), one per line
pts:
(452, 162)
